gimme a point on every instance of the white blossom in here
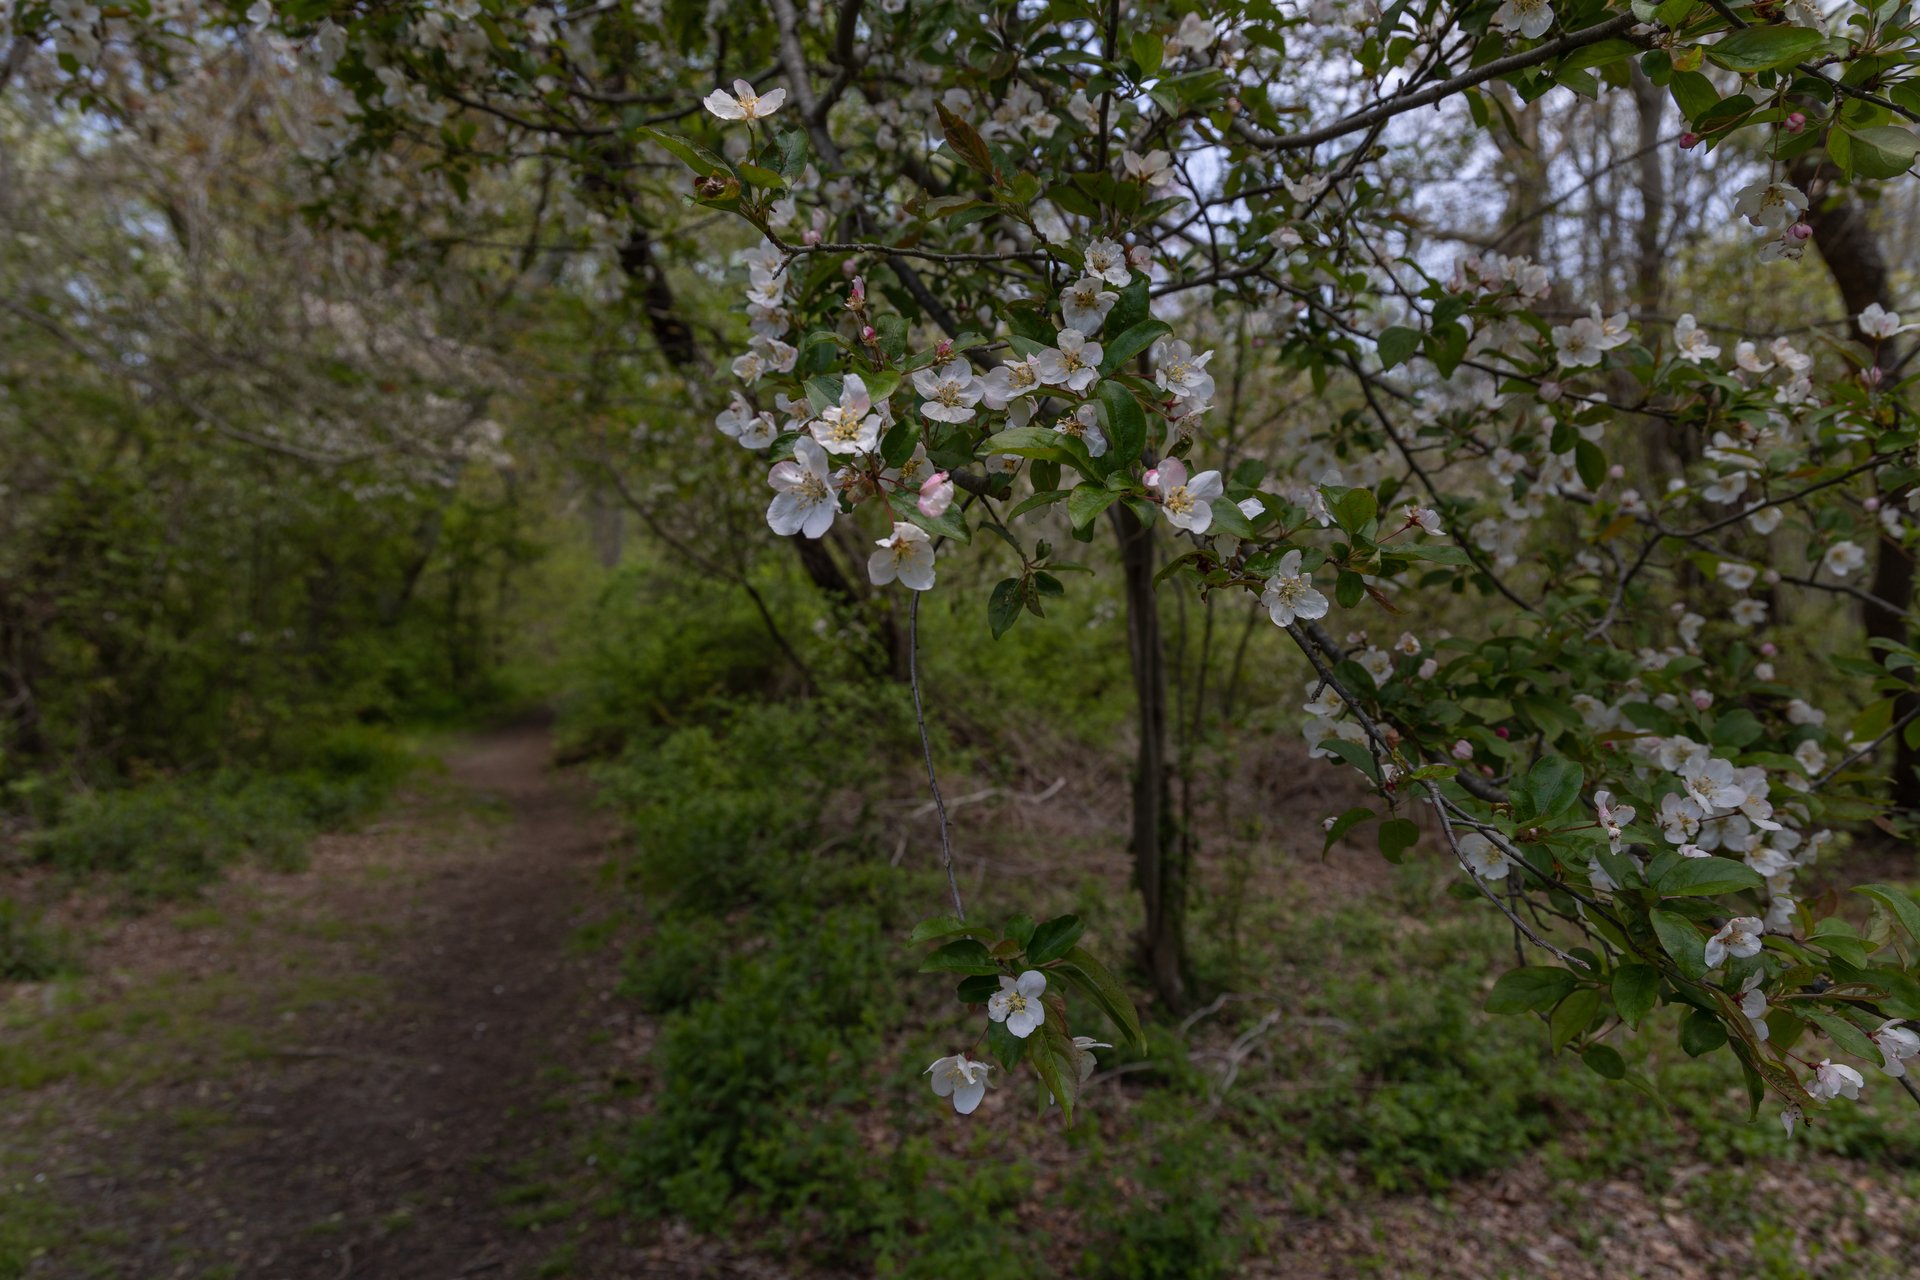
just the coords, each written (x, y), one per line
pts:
(1017, 1003)
(907, 555)
(1529, 18)
(1290, 594)
(1834, 1080)
(1770, 205)
(1486, 859)
(1691, 342)
(1613, 818)
(804, 501)
(1107, 260)
(1084, 425)
(743, 103)
(1085, 305)
(1842, 558)
(1180, 373)
(1186, 502)
(962, 1079)
(1073, 364)
(1738, 937)
(1896, 1044)
(950, 391)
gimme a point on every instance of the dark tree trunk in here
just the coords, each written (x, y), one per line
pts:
(1852, 252)
(1159, 864)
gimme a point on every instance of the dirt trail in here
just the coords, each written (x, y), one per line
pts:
(412, 1133)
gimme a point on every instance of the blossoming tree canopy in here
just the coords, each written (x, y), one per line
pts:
(1002, 259)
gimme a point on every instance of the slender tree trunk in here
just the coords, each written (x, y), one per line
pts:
(1852, 252)
(1159, 862)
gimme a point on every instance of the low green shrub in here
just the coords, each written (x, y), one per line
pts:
(30, 951)
(167, 838)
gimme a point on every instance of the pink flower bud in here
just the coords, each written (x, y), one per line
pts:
(1616, 472)
(868, 334)
(1551, 391)
(1799, 231)
(1429, 669)
(1871, 504)
(847, 268)
(1462, 749)
(936, 495)
(1138, 256)
(858, 293)
(1689, 140)
(1872, 376)
(943, 350)
(1152, 478)
(1794, 122)
(810, 236)
(1502, 733)
(1701, 699)
(1769, 648)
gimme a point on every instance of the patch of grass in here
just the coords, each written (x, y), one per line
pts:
(165, 839)
(30, 950)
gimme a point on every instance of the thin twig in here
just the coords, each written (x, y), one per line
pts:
(926, 745)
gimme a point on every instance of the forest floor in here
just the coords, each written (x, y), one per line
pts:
(379, 1066)
(397, 1063)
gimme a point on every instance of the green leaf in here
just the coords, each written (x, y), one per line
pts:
(1699, 877)
(1532, 987)
(1093, 978)
(1003, 607)
(1119, 349)
(1034, 501)
(1086, 502)
(1126, 422)
(1701, 1033)
(1764, 48)
(1397, 835)
(978, 989)
(1572, 1016)
(759, 177)
(1438, 552)
(1020, 929)
(1553, 786)
(1053, 939)
(1004, 1045)
(1149, 51)
(1397, 345)
(948, 524)
(1053, 1059)
(1590, 462)
(963, 956)
(1345, 823)
(1352, 509)
(1899, 904)
(1847, 1036)
(1026, 442)
(897, 445)
(1605, 1061)
(1693, 93)
(1229, 520)
(1883, 151)
(691, 154)
(1133, 307)
(1636, 988)
(937, 927)
(891, 331)
(1680, 940)
(967, 144)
